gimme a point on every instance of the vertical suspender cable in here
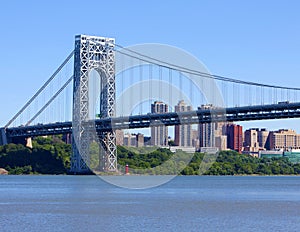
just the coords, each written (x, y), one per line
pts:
(150, 84)
(170, 89)
(122, 85)
(191, 91)
(262, 95)
(160, 82)
(180, 85)
(141, 89)
(131, 82)
(202, 91)
(233, 97)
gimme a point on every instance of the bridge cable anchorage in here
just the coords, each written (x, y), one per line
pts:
(41, 89)
(179, 68)
(50, 100)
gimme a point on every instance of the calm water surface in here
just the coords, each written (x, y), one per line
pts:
(187, 203)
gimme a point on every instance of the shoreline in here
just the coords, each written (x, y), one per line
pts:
(141, 175)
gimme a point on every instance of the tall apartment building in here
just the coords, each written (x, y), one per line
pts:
(130, 140)
(251, 140)
(206, 135)
(221, 142)
(133, 140)
(255, 139)
(206, 130)
(119, 137)
(234, 137)
(262, 137)
(139, 140)
(195, 138)
(183, 133)
(284, 139)
(159, 134)
(210, 132)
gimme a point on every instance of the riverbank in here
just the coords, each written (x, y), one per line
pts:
(3, 171)
(52, 156)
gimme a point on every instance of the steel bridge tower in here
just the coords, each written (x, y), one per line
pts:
(93, 53)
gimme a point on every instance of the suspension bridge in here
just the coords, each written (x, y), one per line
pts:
(102, 87)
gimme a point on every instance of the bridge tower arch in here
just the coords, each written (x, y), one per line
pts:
(93, 52)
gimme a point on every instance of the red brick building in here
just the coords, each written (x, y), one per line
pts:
(234, 137)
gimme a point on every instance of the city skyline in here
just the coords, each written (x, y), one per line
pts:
(257, 142)
(252, 125)
(220, 135)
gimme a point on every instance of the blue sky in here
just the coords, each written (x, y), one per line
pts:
(248, 40)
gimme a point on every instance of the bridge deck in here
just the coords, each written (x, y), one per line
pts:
(245, 113)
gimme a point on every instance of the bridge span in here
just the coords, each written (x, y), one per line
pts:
(109, 79)
(232, 114)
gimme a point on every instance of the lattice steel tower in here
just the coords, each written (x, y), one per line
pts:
(93, 53)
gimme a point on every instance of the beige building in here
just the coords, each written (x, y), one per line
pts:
(284, 139)
(262, 136)
(251, 143)
(159, 134)
(255, 140)
(183, 133)
(129, 140)
(195, 138)
(221, 142)
(133, 140)
(119, 137)
(139, 140)
(210, 132)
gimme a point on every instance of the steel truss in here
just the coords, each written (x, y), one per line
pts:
(93, 53)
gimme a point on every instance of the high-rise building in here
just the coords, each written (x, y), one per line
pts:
(255, 139)
(206, 135)
(206, 130)
(119, 137)
(195, 138)
(159, 134)
(139, 140)
(130, 140)
(221, 142)
(133, 140)
(251, 140)
(209, 131)
(234, 137)
(284, 139)
(262, 137)
(183, 133)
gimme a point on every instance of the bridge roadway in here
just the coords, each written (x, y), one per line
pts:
(233, 114)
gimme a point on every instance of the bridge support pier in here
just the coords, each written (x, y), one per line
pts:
(108, 158)
(3, 137)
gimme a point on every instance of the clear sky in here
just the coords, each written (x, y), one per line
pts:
(249, 40)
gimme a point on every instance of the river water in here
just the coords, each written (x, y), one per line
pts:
(186, 203)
